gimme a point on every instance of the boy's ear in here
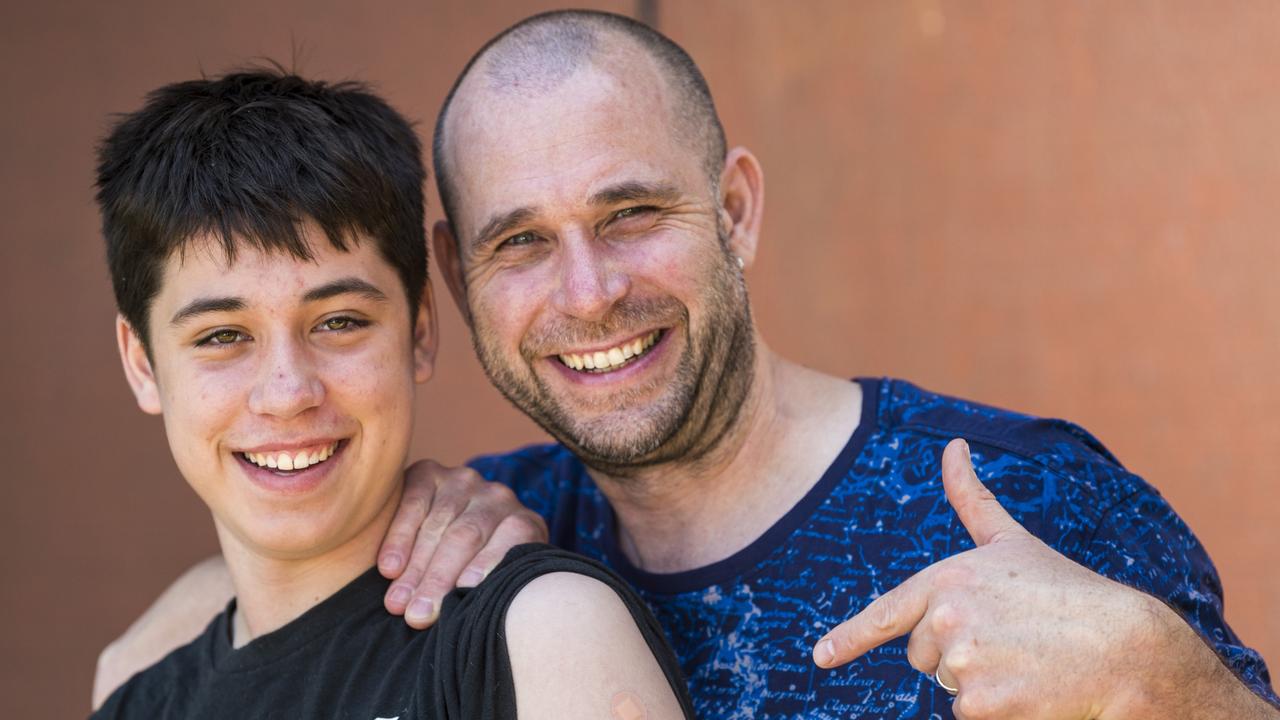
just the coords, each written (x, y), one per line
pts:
(445, 246)
(426, 336)
(137, 367)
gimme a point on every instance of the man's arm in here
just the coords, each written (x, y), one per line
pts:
(1023, 631)
(1187, 679)
(174, 619)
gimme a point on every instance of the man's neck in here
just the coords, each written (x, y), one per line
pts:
(792, 426)
(272, 591)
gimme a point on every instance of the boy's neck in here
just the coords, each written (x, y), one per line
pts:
(272, 592)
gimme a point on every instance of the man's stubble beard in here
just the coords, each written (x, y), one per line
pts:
(688, 419)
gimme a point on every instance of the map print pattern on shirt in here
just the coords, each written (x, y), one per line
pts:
(744, 627)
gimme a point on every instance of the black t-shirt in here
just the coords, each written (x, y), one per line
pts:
(348, 658)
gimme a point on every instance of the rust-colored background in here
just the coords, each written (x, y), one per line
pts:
(1065, 208)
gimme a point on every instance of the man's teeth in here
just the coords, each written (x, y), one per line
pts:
(614, 357)
(297, 460)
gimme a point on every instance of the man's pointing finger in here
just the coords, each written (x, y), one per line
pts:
(891, 615)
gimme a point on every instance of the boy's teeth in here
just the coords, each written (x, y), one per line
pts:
(292, 461)
(613, 357)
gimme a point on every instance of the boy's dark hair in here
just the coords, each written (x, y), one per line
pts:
(248, 157)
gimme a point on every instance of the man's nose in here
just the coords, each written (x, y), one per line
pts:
(287, 383)
(591, 282)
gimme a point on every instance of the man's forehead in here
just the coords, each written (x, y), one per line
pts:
(507, 117)
(595, 129)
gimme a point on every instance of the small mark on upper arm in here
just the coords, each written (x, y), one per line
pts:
(626, 706)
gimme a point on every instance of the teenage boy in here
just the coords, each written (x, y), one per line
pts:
(266, 247)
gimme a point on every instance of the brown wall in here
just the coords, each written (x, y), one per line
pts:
(1058, 207)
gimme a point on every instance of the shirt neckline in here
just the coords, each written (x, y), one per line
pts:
(359, 595)
(754, 553)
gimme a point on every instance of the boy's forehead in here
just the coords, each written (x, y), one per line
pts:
(276, 275)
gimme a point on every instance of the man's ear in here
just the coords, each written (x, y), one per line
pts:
(426, 336)
(742, 202)
(137, 368)
(445, 246)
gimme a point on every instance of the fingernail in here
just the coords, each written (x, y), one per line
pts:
(390, 562)
(470, 578)
(420, 609)
(967, 456)
(825, 653)
(400, 595)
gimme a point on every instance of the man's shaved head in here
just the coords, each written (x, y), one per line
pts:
(538, 54)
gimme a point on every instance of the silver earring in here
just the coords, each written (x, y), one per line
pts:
(741, 264)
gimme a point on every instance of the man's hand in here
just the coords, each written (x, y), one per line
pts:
(454, 527)
(1023, 632)
(174, 619)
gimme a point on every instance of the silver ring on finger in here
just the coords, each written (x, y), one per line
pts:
(938, 679)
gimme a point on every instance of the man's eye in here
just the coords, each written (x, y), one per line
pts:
(222, 337)
(519, 240)
(631, 212)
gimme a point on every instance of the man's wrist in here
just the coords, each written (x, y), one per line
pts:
(1173, 672)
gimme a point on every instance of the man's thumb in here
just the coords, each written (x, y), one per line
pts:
(980, 512)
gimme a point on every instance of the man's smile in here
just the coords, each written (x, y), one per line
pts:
(612, 358)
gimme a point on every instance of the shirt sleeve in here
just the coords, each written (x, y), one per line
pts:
(1142, 543)
(472, 671)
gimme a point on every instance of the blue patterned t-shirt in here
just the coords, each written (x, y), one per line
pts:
(744, 627)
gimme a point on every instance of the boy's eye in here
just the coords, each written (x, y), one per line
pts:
(342, 324)
(222, 337)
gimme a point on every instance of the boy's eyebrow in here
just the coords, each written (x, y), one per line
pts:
(200, 306)
(343, 286)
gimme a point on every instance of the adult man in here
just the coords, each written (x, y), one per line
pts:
(266, 245)
(597, 232)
